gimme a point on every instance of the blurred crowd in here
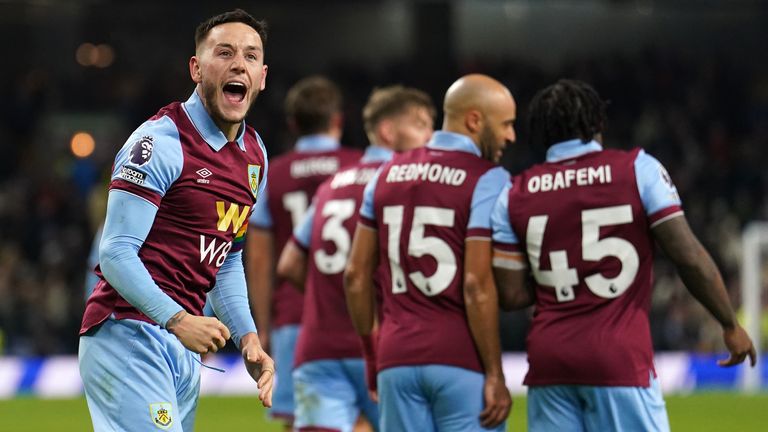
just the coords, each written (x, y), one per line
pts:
(706, 119)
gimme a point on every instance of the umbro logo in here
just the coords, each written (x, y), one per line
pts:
(204, 173)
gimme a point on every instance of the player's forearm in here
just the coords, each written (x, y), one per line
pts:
(705, 283)
(481, 302)
(259, 267)
(229, 298)
(359, 293)
(696, 268)
(128, 222)
(292, 265)
(514, 290)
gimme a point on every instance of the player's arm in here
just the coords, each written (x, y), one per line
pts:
(229, 299)
(510, 270)
(292, 264)
(481, 297)
(358, 279)
(481, 300)
(260, 266)
(694, 265)
(128, 222)
(703, 280)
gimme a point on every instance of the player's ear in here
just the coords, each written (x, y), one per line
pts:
(263, 83)
(386, 131)
(473, 121)
(194, 70)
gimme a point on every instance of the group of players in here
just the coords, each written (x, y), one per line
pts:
(391, 265)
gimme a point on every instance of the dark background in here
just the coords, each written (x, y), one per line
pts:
(687, 81)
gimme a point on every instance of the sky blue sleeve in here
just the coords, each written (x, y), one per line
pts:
(151, 157)
(263, 185)
(487, 189)
(229, 298)
(303, 231)
(657, 192)
(260, 217)
(93, 259)
(366, 207)
(129, 219)
(502, 228)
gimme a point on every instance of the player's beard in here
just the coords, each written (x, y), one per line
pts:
(487, 144)
(209, 99)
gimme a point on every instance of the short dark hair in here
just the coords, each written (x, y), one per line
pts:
(393, 100)
(237, 15)
(566, 110)
(311, 104)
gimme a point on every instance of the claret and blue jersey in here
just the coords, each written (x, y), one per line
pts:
(203, 188)
(581, 221)
(425, 204)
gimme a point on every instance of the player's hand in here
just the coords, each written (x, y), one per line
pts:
(739, 345)
(198, 333)
(260, 366)
(498, 402)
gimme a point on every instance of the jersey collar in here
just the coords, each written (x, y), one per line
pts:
(376, 153)
(204, 124)
(443, 140)
(571, 149)
(316, 143)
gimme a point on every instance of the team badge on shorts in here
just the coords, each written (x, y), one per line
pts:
(161, 414)
(253, 179)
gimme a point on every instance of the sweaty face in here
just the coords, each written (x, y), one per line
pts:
(229, 67)
(499, 128)
(413, 128)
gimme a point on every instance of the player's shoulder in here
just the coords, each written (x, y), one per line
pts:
(159, 134)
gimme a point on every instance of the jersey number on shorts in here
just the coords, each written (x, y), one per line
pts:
(337, 211)
(418, 246)
(593, 248)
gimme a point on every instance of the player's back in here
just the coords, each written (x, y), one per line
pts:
(293, 179)
(327, 331)
(422, 203)
(584, 228)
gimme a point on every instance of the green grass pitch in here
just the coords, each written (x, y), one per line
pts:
(699, 412)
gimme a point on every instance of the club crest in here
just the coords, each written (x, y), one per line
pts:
(161, 414)
(253, 179)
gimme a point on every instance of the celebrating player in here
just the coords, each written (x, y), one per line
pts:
(314, 111)
(330, 379)
(182, 188)
(424, 233)
(585, 221)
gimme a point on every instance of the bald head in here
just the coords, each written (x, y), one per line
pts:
(483, 109)
(472, 92)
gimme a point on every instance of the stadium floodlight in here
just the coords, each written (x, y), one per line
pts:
(754, 238)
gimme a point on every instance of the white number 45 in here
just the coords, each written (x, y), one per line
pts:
(593, 248)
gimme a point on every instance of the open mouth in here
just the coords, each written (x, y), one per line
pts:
(234, 91)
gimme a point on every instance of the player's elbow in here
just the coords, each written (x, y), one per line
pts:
(353, 279)
(477, 289)
(112, 252)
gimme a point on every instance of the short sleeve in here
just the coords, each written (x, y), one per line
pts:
(302, 233)
(657, 192)
(261, 218)
(487, 190)
(367, 215)
(150, 161)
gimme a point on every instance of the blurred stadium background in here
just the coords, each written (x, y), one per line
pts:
(687, 80)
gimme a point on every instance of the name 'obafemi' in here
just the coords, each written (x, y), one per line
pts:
(569, 177)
